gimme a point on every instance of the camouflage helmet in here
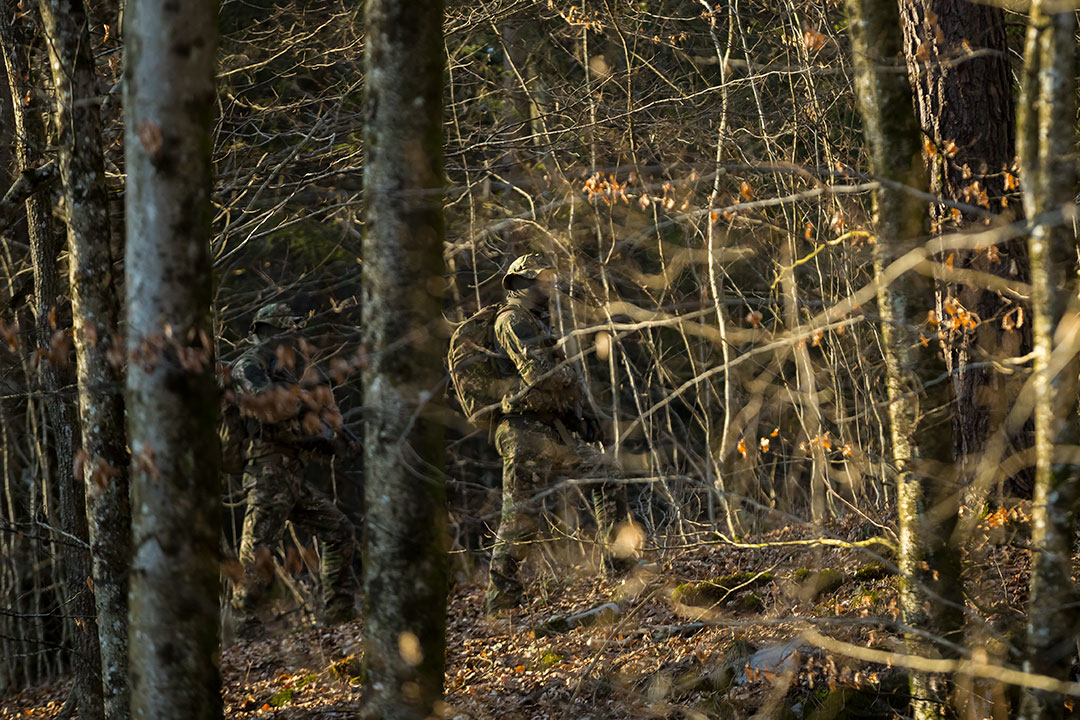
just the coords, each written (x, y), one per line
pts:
(278, 315)
(527, 266)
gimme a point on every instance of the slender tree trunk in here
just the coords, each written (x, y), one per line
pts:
(918, 407)
(405, 563)
(1047, 147)
(965, 109)
(518, 106)
(172, 397)
(95, 309)
(52, 356)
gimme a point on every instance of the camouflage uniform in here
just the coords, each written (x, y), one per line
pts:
(532, 435)
(274, 388)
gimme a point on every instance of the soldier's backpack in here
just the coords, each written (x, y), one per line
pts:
(480, 371)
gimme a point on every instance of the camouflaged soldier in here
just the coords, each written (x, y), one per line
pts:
(535, 435)
(289, 414)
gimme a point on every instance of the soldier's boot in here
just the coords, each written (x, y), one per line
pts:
(338, 580)
(504, 590)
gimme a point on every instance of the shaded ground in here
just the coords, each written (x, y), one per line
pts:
(735, 651)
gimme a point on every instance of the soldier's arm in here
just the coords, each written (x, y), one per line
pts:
(530, 351)
(260, 396)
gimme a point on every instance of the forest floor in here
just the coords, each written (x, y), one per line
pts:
(699, 629)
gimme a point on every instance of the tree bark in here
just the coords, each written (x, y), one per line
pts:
(52, 357)
(1047, 148)
(172, 397)
(405, 563)
(918, 407)
(95, 310)
(957, 56)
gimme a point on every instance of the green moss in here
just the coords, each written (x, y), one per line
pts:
(872, 571)
(809, 585)
(722, 589)
(550, 659)
(281, 697)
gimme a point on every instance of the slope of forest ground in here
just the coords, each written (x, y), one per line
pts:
(702, 630)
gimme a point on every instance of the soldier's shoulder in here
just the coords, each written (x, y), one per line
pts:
(515, 316)
(250, 369)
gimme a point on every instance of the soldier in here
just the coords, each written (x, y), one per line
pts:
(535, 435)
(289, 415)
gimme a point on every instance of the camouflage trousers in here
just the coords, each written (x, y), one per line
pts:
(533, 454)
(277, 492)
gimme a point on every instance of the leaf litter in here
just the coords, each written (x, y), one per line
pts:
(655, 658)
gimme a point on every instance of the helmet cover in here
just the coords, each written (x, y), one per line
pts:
(527, 266)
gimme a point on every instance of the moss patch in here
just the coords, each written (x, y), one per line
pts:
(809, 585)
(871, 572)
(721, 590)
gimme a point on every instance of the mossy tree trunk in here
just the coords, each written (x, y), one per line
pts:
(95, 310)
(172, 397)
(1047, 151)
(405, 562)
(15, 35)
(918, 406)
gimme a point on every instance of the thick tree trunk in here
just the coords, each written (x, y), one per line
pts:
(405, 563)
(1047, 147)
(958, 59)
(95, 310)
(52, 355)
(918, 408)
(172, 396)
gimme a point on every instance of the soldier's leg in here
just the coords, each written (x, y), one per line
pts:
(318, 515)
(269, 500)
(523, 472)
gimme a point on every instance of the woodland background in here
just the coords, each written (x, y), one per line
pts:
(862, 428)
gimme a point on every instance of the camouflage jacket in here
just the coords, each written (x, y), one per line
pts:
(283, 398)
(522, 333)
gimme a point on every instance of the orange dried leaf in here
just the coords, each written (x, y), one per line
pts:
(746, 191)
(813, 40)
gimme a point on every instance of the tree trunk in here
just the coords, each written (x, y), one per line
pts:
(965, 109)
(405, 563)
(94, 307)
(1047, 147)
(918, 407)
(172, 396)
(52, 356)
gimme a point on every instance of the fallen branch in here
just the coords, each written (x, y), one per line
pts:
(973, 668)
